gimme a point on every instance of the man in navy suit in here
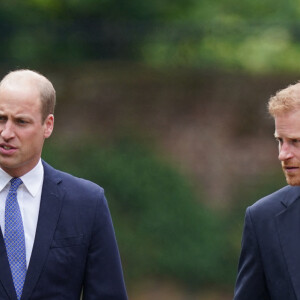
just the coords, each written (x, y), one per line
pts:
(269, 266)
(70, 245)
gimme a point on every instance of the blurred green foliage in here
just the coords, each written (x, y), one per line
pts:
(163, 230)
(255, 36)
(246, 194)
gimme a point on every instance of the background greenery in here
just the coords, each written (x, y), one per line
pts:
(162, 230)
(163, 104)
(250, 35)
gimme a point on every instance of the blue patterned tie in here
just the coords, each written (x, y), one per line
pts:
(14, 237)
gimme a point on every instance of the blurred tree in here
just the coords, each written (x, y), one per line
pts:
(249, 35)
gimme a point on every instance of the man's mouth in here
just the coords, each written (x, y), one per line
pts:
(6, 149)
(290, 168)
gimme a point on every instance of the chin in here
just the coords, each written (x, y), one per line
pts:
(293, 181)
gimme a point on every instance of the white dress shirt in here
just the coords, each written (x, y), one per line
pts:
(29, 199)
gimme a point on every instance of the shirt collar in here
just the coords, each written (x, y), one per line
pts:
(32, 180)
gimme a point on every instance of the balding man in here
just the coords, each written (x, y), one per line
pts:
(57, 239)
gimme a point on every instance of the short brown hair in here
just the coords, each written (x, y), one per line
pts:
(285, 100)
(44, 86)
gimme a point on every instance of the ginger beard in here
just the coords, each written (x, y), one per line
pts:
(292, 176)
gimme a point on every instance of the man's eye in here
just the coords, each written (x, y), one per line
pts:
(295, 141)
(20, 121)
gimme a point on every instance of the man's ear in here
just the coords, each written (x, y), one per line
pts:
(48, 125)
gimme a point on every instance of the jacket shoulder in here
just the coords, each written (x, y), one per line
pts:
(273, 198)
(71, 182)
(275, 202)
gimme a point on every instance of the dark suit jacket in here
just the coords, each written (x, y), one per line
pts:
(269, 266)
(74, 246)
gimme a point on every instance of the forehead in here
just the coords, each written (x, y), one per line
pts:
(288, 124)
(19, 96)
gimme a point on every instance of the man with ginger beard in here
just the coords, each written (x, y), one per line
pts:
(57, 239)
(269, 265)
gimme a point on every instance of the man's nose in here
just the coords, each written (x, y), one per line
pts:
(7, 131)
(285, 152)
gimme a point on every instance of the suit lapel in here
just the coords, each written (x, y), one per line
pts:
(5, 273)
(50, 207)
(288, 225)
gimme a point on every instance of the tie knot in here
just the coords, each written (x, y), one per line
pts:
(15, 183)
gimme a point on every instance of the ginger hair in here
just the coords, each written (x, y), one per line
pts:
(285, 100)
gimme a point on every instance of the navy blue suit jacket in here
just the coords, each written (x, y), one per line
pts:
(269, 266)
(74, 248)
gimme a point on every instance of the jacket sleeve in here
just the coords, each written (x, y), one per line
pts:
(103, 275)
(251, 282)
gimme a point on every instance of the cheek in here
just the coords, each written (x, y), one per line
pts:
(31, 139)
(297, 154)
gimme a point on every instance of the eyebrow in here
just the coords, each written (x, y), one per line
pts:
(20, 116)
(287, 137)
